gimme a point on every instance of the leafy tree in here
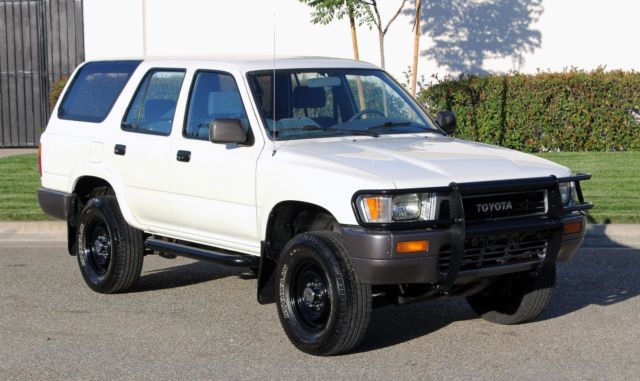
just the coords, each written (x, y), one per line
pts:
(325, 11)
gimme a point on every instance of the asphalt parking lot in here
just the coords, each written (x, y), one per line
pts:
(193, 320)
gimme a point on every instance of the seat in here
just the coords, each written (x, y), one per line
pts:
(158, 109)
(224, 104)
(309, 97)
(221, 104)
(313, 97)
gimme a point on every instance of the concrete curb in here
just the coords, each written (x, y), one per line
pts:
(33, 231)
(32, 227)
(612, 235)
(617, 230)
(6, 152)
(598, 235)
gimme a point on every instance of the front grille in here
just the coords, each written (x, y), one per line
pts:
(497, 206)
(498, 250)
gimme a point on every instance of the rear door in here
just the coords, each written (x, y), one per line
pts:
(143, 151)
(215, 183)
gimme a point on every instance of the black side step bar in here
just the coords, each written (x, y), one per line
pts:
(209, 255)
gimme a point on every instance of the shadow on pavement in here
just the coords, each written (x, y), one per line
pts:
(596, 276)
(393, 324)
(186, 275)
(602, 273)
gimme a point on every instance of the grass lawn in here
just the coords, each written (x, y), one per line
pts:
(19, 181)
(614, 188)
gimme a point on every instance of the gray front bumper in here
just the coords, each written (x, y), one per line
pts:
(374, 258)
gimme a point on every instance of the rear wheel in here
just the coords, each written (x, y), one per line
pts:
(516, 298)
(323, 307)
(109, 251)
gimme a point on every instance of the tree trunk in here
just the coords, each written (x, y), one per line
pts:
(381, 42)
(354, 38)
(384, 94)
(356, 56)
(416, 50)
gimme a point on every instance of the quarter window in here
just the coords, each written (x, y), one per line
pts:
(213, 96)
(154, 103)
(94, 90)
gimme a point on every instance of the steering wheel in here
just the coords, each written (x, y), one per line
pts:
(365, 112)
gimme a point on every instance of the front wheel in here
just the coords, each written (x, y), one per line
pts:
(323, 307)
(109, 251)
(516, 298)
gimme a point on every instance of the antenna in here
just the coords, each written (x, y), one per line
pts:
(273, 86)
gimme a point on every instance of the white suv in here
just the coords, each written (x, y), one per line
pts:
(323, 176)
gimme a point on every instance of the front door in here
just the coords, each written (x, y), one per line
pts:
(215, 183)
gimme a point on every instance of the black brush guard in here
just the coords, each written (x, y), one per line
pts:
(552, 221)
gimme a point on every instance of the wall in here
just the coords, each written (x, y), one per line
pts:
(460, 35)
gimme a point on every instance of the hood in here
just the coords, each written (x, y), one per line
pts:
(419, 161)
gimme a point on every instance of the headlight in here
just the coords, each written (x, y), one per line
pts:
(566, 192)
(396, 208)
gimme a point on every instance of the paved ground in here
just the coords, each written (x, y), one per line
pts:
(4, 152)
(192, 320)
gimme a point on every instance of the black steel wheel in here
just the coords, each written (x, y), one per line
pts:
(323, 307)
(97, 245)
(310, 295)
(516, 298)
(109, 251)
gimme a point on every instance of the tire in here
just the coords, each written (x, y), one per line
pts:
(323, 307)
(109, 251)
(516, 298)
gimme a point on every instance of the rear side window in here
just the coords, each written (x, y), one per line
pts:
(213, 96)
(154, 103)
(95, 89)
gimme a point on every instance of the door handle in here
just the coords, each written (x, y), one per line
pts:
(120, 149)
(183, 156)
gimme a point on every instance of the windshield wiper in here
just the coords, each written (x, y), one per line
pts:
(355, 132)
(310, 127)
(403, 124)
(306, 127)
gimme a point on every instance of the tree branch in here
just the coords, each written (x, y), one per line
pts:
(363, 2)
(393, 18)
(378, 19)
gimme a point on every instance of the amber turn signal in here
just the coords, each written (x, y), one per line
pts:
(572, 228)
(412, 247)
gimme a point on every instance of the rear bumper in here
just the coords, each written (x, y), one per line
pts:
(54, 203)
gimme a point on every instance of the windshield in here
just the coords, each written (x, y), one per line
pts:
(335, 102)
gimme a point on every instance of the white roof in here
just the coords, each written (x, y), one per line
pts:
(254, 63)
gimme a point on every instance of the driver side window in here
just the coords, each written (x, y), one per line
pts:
(213, 96)
(154, 104)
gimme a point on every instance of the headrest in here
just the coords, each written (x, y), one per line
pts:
(224, 102)
(309, 97)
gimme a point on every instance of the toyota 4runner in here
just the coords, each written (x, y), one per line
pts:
(322, 176)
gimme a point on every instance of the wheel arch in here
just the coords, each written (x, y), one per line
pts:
(83, 188)
(286, 220)
(291, 217)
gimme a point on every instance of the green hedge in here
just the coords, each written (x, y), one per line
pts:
(569, 111)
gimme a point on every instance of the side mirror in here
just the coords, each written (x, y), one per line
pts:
(447, 121)
(227, 131)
